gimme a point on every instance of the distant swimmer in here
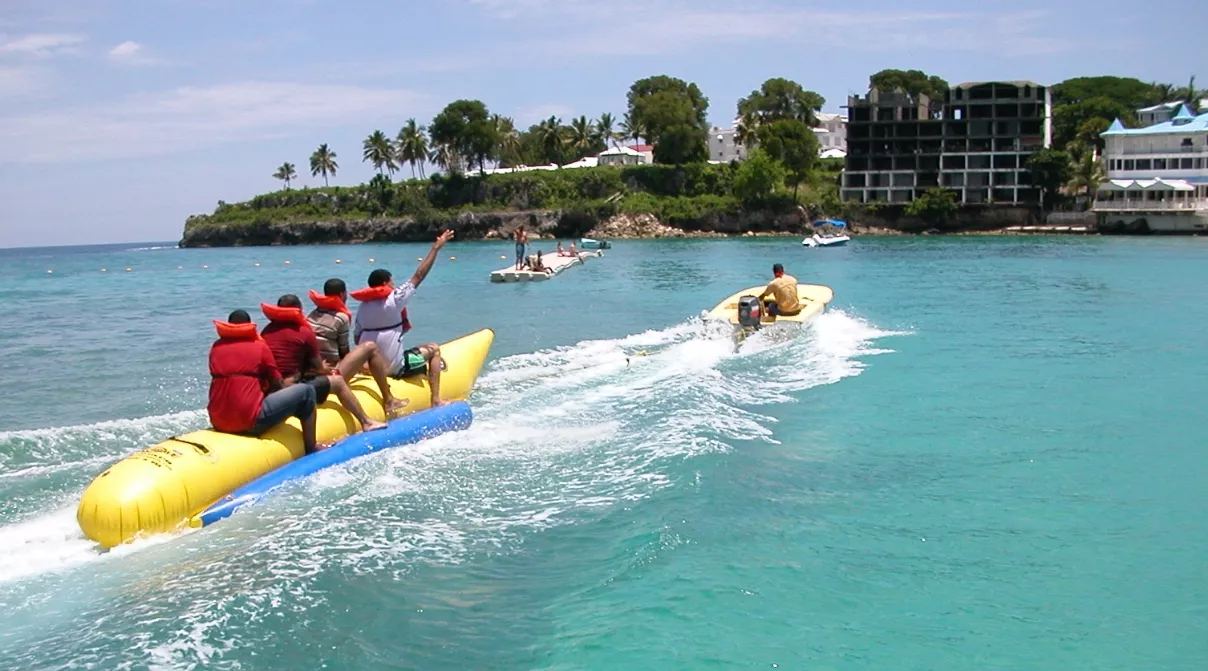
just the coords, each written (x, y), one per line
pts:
(784, 293)
(242, 367)
(296, 350)
(332, 323)
(381, 318)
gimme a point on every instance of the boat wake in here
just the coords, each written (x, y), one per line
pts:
(561, 436)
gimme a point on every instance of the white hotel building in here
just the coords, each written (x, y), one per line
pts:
(1157, 176)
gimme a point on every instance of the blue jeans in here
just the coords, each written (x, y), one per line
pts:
(520, 253)
(294, 401)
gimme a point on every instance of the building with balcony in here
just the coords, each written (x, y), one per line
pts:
(831, 132)
(1157, 176)
(975, 142)
(724, 145)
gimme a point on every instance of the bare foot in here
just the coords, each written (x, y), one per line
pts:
(396, 404)
(436, 402)
(373, 426)
(322, 446)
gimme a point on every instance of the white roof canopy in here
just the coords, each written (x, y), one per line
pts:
(1156, 184)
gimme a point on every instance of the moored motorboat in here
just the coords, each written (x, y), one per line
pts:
(171, 484)
(830, 234)
(589, 243)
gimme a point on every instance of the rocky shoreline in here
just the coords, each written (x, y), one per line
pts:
(550, 224)
(541, 224)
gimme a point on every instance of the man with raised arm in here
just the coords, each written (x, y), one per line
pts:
(381, 318)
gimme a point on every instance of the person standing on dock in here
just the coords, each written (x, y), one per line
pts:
(521, 238)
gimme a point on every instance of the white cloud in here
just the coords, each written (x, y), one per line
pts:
(41, 45)
(646, 27)
(132, 53)
(21, 81)
(125, 51)
(191, 118)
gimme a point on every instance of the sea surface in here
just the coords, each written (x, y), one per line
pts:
(990, 453)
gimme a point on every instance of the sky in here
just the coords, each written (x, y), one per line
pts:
(120, 119)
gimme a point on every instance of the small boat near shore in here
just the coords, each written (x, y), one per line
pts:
(747, 314)
(589, 243)
(831, 233)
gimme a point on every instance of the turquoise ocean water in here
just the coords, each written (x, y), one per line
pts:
(989, 454)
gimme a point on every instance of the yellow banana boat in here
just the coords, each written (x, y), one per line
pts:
(168, 485)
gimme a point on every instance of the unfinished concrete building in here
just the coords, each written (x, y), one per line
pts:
(975, 142)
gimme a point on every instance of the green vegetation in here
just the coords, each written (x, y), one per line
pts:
(678, 195)
(1051, 169)
(775, 120)
(914, 82)
(758, 178)
(682, 189)
(934, 207)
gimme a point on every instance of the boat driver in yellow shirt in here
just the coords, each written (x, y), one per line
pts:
(784, 294)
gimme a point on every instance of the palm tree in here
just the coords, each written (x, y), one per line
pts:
(1191, 95)
(446, 157)
(508, 147)
(582, 136)
(412, 146)
(323, 162)
(1088, 175)
(632, 128)
(286, 173)
(745, 133)
(1163, 92)
(379, 152)
(606, 128)
(553, 138)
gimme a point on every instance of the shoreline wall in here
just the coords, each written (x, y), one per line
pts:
(550, 223)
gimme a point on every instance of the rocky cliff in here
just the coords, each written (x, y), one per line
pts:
(483, 226)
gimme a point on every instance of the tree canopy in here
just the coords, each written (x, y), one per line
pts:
(757, 177)
(779, 99)
(793, 144)
(913, 82)
(672, 113)
(465, 128)
(934, 207)
(1051, 169)
(1129, 92)
(643, 89)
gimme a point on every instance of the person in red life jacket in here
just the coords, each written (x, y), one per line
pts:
(242, 368)
(296, 351)
(382, 318)
(330, 320)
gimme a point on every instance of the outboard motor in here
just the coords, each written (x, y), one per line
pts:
(750, 311)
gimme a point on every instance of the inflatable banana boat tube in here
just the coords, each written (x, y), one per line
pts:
(411, 429)
(165, 486)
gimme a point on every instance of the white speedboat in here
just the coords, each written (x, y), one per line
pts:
(588, 243)
(831, 234)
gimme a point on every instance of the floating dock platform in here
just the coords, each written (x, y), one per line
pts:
(555, 263)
